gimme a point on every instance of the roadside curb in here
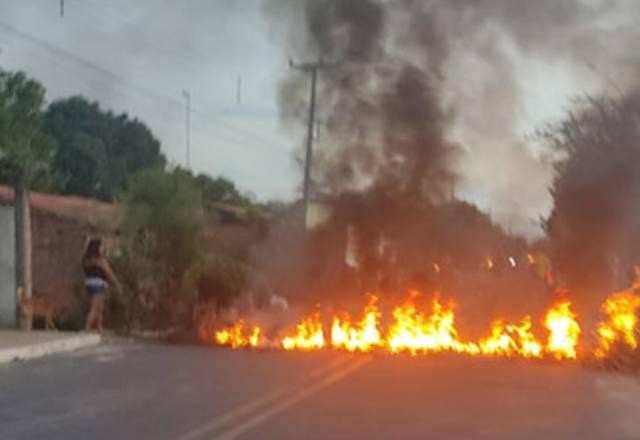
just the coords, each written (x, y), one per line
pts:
(46, 348)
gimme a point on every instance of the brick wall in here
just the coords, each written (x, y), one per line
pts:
(58, 245)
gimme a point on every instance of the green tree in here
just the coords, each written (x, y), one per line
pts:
(24, 157)
(98, 151)
(163, 234)
(221, 189)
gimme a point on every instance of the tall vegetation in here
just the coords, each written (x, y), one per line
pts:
(595, 223)
(97, 151)
(161, 249)
(25, 156)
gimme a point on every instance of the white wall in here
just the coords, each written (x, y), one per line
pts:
(7, 269)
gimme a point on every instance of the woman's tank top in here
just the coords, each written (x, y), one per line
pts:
(93, 270)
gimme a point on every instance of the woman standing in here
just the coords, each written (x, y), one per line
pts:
(98, 277)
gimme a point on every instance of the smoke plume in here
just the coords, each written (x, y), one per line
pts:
(422, 103)
(419, 92)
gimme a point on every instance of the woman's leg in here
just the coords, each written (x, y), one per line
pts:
(93, 310)
(99, 314)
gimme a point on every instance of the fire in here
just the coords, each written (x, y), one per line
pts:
(622, 311)
(512, 340)
(564, 331)
(239, 336)
(362, 336)
(415, 332)
(309, 335)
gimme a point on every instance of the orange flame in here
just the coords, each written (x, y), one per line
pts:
(622, 310)
(239, 336)
(564, 329)
(309, 335)
(362, 336)
(511, 340)
(412, 331)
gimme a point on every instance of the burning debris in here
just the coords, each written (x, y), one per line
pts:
(512, 340)
(564, 331)
(414, 330)
(309, 335)
(240, 335)
(361, 336)
(622, 324)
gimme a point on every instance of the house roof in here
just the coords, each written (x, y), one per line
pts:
(96, 213)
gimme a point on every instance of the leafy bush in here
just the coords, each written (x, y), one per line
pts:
(222, 280)
(162, 253)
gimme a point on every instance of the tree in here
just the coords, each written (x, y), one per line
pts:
(97, 151)
(595, 223)
(163, 236)
(24, 156)
(223, 190)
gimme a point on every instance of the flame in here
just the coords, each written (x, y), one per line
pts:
(511, 340)
(622, 311)
(415, 332)
(239, 336)
(362, 336)
(564, 331)
(309, 335)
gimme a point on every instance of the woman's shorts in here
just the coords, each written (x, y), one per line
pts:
(95, 286)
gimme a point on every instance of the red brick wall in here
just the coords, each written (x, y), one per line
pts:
(58, 244)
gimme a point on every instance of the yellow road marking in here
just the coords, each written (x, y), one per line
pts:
(258, 402)
(257, 419)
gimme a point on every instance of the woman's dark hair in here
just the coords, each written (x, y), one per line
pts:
(93, 251)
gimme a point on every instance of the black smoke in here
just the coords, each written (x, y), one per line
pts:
(420, 98)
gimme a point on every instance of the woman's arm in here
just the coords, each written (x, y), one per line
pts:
(106, 267)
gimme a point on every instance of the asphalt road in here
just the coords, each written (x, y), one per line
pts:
(139, 391)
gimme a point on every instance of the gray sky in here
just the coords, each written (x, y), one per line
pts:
(138, 56)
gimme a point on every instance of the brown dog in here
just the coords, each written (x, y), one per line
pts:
(38, 306)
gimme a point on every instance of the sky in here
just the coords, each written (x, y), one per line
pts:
(138, 57)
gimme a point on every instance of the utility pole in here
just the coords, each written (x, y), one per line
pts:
(313, 69)
(61, 8)
(187, 97)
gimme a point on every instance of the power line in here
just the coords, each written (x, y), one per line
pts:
(114, 14)
(228, 135)
(106, 12)
(212, 119)
(191, 61)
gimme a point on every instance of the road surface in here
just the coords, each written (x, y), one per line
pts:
(146, 391)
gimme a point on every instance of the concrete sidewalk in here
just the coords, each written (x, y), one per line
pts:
(17, 345)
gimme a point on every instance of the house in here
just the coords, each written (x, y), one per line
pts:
(60, 226)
